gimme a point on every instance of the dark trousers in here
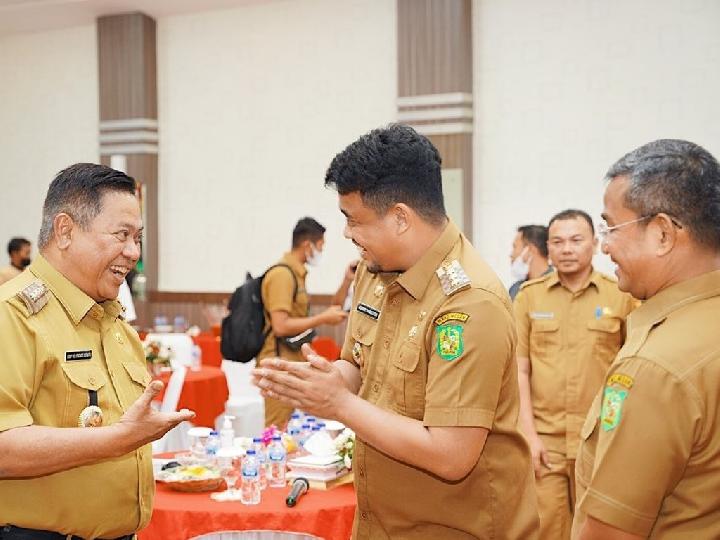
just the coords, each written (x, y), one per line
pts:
(10, 532)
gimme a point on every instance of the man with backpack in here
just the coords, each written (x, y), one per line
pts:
(285, 300)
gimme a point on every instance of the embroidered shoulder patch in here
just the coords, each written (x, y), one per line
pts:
(452, 316)
(621, 379)
(612, 404)
(450, 341)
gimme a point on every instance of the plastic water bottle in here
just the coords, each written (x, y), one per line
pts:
(305, 432)
(195, 358)
(213, 444)
(250, 483)
(261, 456)
(277, 459)
(295, 422)
(179, 324)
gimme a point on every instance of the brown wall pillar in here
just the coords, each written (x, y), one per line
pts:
(127, 62)
(435, 90)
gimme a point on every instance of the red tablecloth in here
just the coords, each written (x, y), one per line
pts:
(179, 516)
(204, 392)
(210, 346)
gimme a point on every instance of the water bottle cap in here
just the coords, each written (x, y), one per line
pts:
(321, 424)
(250, 452)
(306, 426)
(277, 438)
(316, 428)
(257, 439)
(213, 432)
(310, 419)
(295, 415)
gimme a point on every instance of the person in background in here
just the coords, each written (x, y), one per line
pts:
(649, 460)
(75, 393)
(570, 323)
(287, 307)
(427, 376)
(529, 256)
(19, 250)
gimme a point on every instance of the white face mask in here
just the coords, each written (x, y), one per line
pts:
(519, 268)
(315, 257)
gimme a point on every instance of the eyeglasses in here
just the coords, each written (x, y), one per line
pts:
(604, 230)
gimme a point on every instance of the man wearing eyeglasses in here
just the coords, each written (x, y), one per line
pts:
(649, 460)
(570, 326)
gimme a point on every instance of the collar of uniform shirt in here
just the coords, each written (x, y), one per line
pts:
(75, 302)
(416, 279)
(594, 279)
(658, 307)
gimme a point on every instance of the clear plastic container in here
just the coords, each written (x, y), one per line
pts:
(261, 454)
(277, 460)
(249, 481)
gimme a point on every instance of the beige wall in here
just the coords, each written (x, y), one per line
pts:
(563, 88)
(49, 119)
(253, 105)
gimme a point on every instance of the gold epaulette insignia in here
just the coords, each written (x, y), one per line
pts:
(452, 277)
(34, 296)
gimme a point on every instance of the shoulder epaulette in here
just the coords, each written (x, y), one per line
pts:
(540, 279)
(34, 296)
(452, 277)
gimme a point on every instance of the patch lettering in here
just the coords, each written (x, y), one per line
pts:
(71, 356)
(542, 315)
(621, 379)
(369, 311)
(452, 316)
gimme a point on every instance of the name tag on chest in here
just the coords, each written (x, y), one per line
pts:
(71, 356)
(369, 311)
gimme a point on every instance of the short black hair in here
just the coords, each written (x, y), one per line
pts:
(537, 235)
(307, 229)
(572, 213)
(678, 178)
(16, 244)
(391, 165)
(77, 191)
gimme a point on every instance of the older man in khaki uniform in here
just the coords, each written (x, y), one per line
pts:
(427, 377)
(649, 462)
(571, 324)
(75, 415)
(285, 300)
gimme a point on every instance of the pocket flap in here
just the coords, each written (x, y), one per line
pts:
(84, 375)
(605, 325)
(591, 420)
(137, 372)
(407, 357)
(539, 325)
(364, 332)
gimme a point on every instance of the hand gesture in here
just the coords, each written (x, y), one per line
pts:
(333, 315)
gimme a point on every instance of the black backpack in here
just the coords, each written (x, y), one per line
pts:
(243, 330)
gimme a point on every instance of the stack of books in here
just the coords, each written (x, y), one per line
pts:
(322, 472)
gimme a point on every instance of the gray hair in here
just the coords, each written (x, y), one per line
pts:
(678, 178)
(77, 191)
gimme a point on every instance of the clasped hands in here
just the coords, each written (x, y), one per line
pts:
(315, 386)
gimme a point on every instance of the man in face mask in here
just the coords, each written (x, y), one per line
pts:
(286, 304)
(529, 255)
(19, 251)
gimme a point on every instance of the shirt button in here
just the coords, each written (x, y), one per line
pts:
(395, 301)
(375, 387)
(386, 343)
(363, 515)
(362, 472)
(91, 380)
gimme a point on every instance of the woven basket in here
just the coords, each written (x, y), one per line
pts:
(195, 486)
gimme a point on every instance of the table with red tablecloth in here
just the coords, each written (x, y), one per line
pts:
(209, 345)
(204, 392)
(180, 516)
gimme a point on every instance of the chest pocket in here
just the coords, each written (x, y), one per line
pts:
(139, 375)
(607, 339)
(586, 456)
(544, 337)
(363, 334)
(81, 377)
(406, 381)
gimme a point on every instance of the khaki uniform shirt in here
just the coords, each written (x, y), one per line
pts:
(445, 360)
(50, 362)
(9, 272)
(277, 294)
(649, 462)
(571, 340)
